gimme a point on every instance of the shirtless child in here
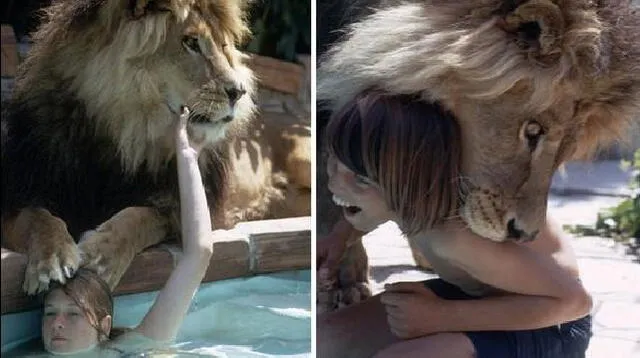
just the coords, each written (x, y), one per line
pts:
(397, 158)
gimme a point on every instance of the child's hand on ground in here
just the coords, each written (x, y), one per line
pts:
(408, 305)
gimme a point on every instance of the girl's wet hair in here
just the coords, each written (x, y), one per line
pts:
(410, 147)
(89, 292)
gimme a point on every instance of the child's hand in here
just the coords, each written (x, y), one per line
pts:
(408, 305)
(183, 142)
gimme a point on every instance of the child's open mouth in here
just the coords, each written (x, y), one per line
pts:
(347, 206)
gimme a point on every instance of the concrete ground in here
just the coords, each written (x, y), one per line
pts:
(612, 277)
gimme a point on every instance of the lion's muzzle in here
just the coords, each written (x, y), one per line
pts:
(515, 233)
(493, 216)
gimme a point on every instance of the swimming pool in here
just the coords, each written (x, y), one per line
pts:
(259, 316)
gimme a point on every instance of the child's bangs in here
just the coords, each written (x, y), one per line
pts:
(344, 138)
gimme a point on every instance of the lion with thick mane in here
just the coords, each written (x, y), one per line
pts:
(88, 153)
(533, 83)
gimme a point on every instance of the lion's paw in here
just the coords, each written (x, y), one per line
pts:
(55, 258)
(347, 296)
(329, 300)
(102, 253)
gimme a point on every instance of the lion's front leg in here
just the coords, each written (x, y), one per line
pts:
(353, 276)
(110, 248)
(350, 284)
(52, 254)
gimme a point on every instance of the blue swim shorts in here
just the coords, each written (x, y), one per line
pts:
(567, 340)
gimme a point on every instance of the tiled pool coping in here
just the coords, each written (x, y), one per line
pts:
(252, 248)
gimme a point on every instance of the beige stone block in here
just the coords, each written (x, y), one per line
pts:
(277, 245)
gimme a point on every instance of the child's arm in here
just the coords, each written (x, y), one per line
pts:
(542, 291)
(167, 313)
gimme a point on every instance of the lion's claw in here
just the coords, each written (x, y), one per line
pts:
(68, 271)
(45, 266)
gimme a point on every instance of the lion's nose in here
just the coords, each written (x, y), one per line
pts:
(234, 94)
(514, 232)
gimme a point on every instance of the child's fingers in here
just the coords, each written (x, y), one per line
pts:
(182, 137)
(185, 139)
(184, 116)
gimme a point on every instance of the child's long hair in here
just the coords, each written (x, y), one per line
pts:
(408, 146)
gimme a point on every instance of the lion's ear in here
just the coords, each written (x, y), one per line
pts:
(140, 8)
(537, 26)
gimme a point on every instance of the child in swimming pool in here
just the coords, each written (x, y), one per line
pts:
(397, 158)
(78, 315)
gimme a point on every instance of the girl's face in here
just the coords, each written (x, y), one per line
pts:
(65, 328)
(362, 201)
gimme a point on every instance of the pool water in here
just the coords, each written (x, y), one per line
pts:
(260, 316)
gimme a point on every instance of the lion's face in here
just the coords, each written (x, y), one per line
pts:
(509, 157)
(133, 64)
(215, 85)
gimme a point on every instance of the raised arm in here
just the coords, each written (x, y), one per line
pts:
(165, 317)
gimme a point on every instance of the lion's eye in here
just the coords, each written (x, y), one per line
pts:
(533, 131)
(191, 44)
